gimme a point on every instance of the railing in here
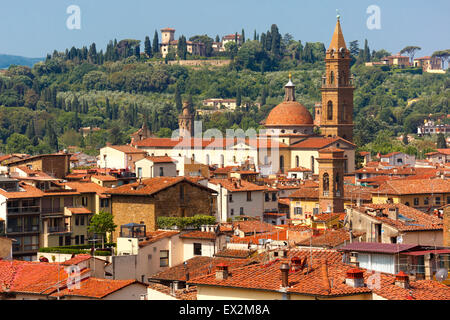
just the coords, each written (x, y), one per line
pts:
(22, 229)
(57, 229)
(18, 210)
(52, 210)
(27, 247)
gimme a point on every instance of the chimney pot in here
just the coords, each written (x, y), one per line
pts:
(402, 280)
(221, 271)
(355, 278)
(284, 268)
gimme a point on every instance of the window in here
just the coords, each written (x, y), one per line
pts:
(297, 161)
(84, 201)
(181, 192)
(331, 77)
(241, 211)
(104, 203)
(139, 172)
(416, 201)
(164, 258)
(232, 212)
(448, 200)
(438, 200)
(249, 196)
(426, 201)
(330, 110)
(326, 183)
(77, 220)
(298, 210)
(197, 249)
(267, 197)
(274, 196)
(68, 241)
(77, 240)
(312, 164)
(61, 241)
(161, 171)
(81, 220)
(230, 197)
(82, 239)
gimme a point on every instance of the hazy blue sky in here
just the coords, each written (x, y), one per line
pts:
(34, 28)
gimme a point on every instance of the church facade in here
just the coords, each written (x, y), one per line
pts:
(290, 139)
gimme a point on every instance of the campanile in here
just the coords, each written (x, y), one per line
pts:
(337, 90)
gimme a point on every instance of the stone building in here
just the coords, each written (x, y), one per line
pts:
(186, 121)
(144, 201)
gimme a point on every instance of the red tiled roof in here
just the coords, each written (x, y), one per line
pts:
(329, 239)
(377, 247)
(196, 266)
(96, 288)
(28, 192)
(253, 226)
(233, 185)
(77, 259)
(161, 159)
(157, 235)
(104, 177)
(127, 149)
(318, 143)
(181, 294)
(86, 187)
(199, 235)
(324, 217)
(300, 169)
(276, 235)
(151, 186)
(411, 186)
(416, 220)
(234, 253)
(79, 210)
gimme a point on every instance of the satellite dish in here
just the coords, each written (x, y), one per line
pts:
(441, 275)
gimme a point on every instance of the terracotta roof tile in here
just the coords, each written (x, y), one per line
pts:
(233, 185)
(199, 235)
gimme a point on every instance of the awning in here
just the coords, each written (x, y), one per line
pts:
(424, 252)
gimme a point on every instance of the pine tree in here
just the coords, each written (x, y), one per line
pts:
(155, 43)
(148, 47)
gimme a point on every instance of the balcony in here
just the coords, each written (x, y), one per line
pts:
(22, 229)
(18, 248)
(22, 210)
(52, 210)
(57, 229)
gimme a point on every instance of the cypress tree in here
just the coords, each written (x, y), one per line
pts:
(148, 47)
(441, 143)
(366, 52)
(155, 43)
(243, 36)
(238, 97)
(178, 101)
(254, 36)
(217, 38)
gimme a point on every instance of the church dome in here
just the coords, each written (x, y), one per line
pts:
(289, 112)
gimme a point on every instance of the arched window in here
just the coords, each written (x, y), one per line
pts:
(337, 182)
(312, 164)
(326, 183)
(331, 77)
(297, 161)
(282, 163)
(330, 110)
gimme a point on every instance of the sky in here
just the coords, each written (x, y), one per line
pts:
(33, 28)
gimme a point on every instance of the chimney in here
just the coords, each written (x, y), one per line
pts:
(221, 271)
(284, 268)
(402, 280)
(355, 278)
(393, 213)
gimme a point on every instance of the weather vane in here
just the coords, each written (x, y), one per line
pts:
(337, 14)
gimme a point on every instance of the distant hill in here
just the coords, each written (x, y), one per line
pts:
(7, 60)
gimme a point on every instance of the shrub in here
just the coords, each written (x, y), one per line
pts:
(183, 222)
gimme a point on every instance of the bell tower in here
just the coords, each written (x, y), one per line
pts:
(331, 180)
(186, 121)
(337, 90)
